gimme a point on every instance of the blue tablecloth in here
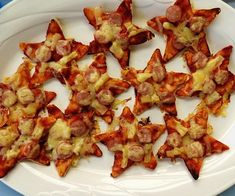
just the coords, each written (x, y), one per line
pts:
(7, 191)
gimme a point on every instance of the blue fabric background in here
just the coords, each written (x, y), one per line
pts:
(7, 191)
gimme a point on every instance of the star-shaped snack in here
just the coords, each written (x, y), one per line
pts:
(190, 140)
(211, 79)
(93, 89)
(184, 28)
(115, 31)
(18, 99)
(132, 143)
(69, 139)
(20, 127)
(52, 54)
(154, 85)
(22, 141)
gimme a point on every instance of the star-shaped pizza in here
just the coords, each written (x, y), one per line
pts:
(53, 54)
(211, 79)
(190, 140)
(69, 139)
(22, 141)
(154, 85)
(132, 143)
(93, 89)
(115, 31)
(184, 28)
(21, 128)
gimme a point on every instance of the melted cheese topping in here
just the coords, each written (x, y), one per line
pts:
(183, 33)
(175, 152)
(124, 156)
(180, 128)
(148, 152)
(142, 77)
(52, 41)
(98, 14)
(150, 99)
(200, 76)
(132, 29)
(9, 98)
(213, 97)
(108, 30)
(59, 131)
(130, 127)
(99, 107)
(7, 136)
(117, 50)
(25, 95)
(77, 145)
(63, 61)
(37, 131)
(104, 78)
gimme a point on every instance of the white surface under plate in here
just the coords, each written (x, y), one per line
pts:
(24, 20)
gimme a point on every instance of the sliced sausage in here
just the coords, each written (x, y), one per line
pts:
(135, 152)
(78, 128)
(84, 98)
(92, 75)
(145, 88)
(208, 87)
(144, 135)
(194, 150)
(64, 150)
(43, 54)
(174, 139)
(166, 97)
(105, 97)
(221, 77)
(115, 18)
(63, 47)
(159, 73)
(174, 13)
(199, 60)
(177, 45)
